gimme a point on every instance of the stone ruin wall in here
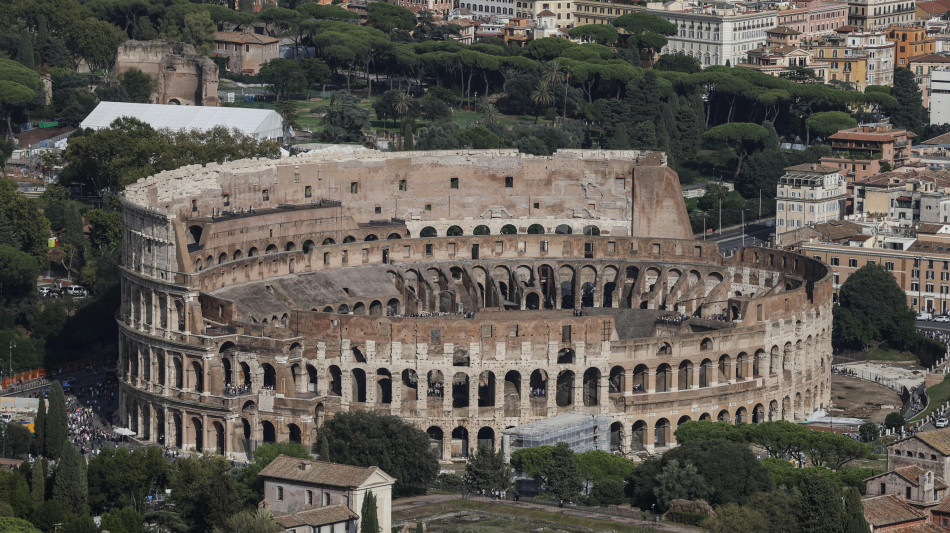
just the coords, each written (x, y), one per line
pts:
(182, 76)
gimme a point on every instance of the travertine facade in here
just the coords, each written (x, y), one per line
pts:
(260, 297)
(181, 76)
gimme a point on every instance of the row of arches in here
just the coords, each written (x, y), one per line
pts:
(508, 229)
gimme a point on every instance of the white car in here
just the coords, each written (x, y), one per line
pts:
(75, 290)
(942, 318)
(942, 422)
(925, 316)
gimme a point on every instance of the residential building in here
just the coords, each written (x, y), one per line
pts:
(859, 152)
(934, 153)
(484, 8)
(926, 450)
(304, 492)
(782, 36)
(813, 18)
(921, 66)
(807, 195)
(890, 513)
(439, 8)
(783, 60)
(940, 95)
(246, 51)
(908, 196)
(562, 11)
(877, 15)
(858, 58)
(714, 33)
(917, 486)
(933, 9)
(909, 42)
(601, 11)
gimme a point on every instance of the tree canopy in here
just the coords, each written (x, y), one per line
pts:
(872, 306)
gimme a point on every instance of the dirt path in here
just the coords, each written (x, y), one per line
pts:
(858, 398)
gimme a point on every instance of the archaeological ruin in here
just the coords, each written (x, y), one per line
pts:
(466, 292)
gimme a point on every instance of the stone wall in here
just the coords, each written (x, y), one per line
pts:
(182, 76)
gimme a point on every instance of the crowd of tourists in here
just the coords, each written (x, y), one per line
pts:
(237, 390)
(672, 320)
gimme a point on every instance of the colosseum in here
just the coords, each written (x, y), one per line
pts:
(466, 292)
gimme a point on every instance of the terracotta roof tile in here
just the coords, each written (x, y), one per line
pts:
(836, 230)
(245, 38)
(785, 30)
(318, 472)
(938, 439)
(939, 139)
(546, 13)
(923, 527)
(809, 167)
(930, 58)
(320, 516)
(889, 510)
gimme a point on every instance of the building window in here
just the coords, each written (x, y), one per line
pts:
(280, 493)
(834, 277)
(853, 263)
(509, 182)
(227, 200)
(930, 274)
(889, 265)
(402, 185)
(265, 195)
(326, 498)
(454, 183)
(428, 207)
(834, 261)
(915, 273)
(354, 187)
(308, 192)
(915, 286)
(377, 210)
(309, 497)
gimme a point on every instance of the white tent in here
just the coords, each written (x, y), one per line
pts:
(259, 123)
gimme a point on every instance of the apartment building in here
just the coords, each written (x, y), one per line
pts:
(782, 60)
(909, 42)
(562, 11)
(906, 197)
(877, 15)
(439, 8)
(921, 66)
(601, 11)
(857, 57)
(807, 195)
(715, 34)
(939, 92)
(813, 18)
(859, 152)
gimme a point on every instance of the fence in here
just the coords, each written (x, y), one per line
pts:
(867, 375)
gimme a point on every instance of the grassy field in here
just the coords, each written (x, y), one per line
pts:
(938, 394)
(888, 354)
(511, 519)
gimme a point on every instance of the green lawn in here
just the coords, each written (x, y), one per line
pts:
(889, 354)
(938, 394)
(569, 520)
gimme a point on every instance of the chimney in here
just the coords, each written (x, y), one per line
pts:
(305, 465)
(814, 166)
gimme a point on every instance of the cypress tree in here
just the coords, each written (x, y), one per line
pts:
(38, 481)
(419, 527)
(39, 430)
(369, 522)
(25, 50)
(324, 450)
(70, 487)
(56, 432)
(854, 521)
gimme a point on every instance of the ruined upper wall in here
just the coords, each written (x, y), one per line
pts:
(634, 189)
(181, 75)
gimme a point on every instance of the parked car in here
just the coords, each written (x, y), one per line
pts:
(47, 291)
(925, 316)
(942, 422)
(75, 290)
(942, 318)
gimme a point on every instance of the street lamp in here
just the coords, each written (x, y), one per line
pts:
(12, 346)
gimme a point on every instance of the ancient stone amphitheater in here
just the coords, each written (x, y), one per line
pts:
(465, 291)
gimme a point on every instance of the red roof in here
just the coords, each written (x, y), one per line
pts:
(904, 198)
(244, 38)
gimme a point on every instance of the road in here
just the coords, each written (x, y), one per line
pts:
(732, 239)
(927, 324)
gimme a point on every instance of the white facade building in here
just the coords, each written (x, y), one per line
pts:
(806, 195)
(880, 14)
(879, 52)
(940, 96)
(714, 33)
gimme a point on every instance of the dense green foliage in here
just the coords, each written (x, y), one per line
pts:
(369, 519)
(368, 438)
(486, 470)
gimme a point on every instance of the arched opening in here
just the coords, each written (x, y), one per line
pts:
(271, 248)
(410, 385)
(615, 380)
(268, 432)
(307, 246)
(293, 433)
(460, 390)
(358, 385)
(194, 235)
(311, 379)
(705, 372)
(343, 309)
(454, 231)
(199, 434)
(565, 356)
(486, 438)
(481, 230)
(290, 246)
(741, 415)
(663, 378)
(662, 433)
(592, 387)
(428, 232)
(725, 365)
(199, 374)
(562, 229)
(459, 442)
(486, 389)
(535, 229)
(509, 229)
(359, 309)
(370, 237)
(219, 439)
(684, 377)
(336, 381)
(591, 230)
(724, 417)
(512, 393)
(223, 258)
(375, 308)
(328, 241)
(270, 376)
(393, 236)
(435, 439)
(538, 384)
(616, 437)
(392, 307)
(179, 374)
(639, 379)
(639, 440)
(565, 388)
(384, 386)
(436, 382)
(532, 301)
(758, 414)
(252, 252)
(348, 239)
(226, 370)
